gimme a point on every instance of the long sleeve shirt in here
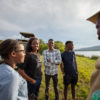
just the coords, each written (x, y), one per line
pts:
(12, 85)
(51, 68)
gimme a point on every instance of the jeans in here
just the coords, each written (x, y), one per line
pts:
(33, 89)
(55, 84)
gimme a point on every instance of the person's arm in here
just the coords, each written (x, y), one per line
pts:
(9, 85)
(76, 65)
(23, 66)
(25, 76)
(46, 61)
(57, 59)
(75, 62)
(62, 68)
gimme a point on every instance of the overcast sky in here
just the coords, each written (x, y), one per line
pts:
(61, 20)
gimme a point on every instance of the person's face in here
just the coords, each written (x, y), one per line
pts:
(51, 44)
(70, 46)
(20, 54)
(35, 45)
(98, 28)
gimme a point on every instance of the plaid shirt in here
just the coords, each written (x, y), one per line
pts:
(51, 68)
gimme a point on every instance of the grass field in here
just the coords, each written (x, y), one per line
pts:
(85, 68)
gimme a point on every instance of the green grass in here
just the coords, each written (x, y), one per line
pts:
(85, 69)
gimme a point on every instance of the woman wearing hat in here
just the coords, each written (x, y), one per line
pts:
(94, 93)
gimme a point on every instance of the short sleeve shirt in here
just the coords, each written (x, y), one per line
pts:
(32, 65)
(68, 59)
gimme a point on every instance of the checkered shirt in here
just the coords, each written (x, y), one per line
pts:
(51, 68)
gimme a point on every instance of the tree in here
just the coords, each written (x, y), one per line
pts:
(43, 46)
(59, 45)
(0, 41)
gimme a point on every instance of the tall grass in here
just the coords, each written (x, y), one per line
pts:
(85, 69)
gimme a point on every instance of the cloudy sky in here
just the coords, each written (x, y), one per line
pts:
(61, 20)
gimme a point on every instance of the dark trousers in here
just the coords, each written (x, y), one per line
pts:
(55, 84)
(33, 89)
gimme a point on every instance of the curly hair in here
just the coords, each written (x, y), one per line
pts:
(7, 46)
(29, 47)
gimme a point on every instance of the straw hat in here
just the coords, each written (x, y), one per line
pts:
(94, 18)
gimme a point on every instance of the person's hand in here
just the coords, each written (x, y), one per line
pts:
(48, 60)
(33, 81)
(63, 74)
(77, 72)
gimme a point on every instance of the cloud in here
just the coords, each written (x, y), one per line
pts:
(5, 25)
(58, 19)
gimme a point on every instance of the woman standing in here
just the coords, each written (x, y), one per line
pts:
(12, 85)
(31, 69)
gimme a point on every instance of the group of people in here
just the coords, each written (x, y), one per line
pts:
(20, 70)
(67, 61)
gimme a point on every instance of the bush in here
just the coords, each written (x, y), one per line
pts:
(94, 57)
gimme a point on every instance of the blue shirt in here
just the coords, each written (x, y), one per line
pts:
(12, 85)
(68, 59)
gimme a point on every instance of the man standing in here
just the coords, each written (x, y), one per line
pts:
(52, 59)
(94, 93)
(69, 69)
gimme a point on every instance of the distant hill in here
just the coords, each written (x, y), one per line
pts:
(94, 48)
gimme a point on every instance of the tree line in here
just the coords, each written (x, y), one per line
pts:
(58, 45)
